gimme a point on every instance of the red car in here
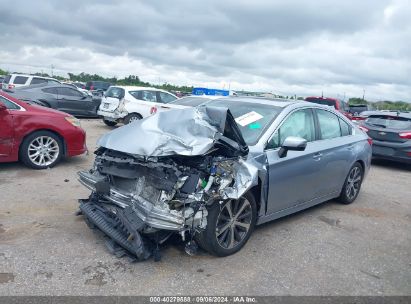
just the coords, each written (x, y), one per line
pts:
(339, 105)
(37, 136)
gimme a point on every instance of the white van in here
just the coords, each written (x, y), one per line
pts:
(18, 80)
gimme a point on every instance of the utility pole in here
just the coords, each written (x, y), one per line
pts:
(363, 94)
(52, 67)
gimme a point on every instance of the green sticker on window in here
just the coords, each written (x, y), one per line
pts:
(254, 125)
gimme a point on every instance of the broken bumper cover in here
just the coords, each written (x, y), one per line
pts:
(111, 116)
(152, 215)
(120, 227)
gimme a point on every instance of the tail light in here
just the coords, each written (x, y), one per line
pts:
(405, 135)
(153, 110)
(363, 128)
(91, 88)
(369, 141)
(10, 86)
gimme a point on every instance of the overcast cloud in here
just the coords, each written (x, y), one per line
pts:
(287, 47)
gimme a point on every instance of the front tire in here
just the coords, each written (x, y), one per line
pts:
(229, 226)
(131, 118)
(352, 184)
(41, 150)
(110, 123)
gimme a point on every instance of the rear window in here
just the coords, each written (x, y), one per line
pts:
(190, 101)
(20, 80)
(326, 102)
(115, 92)
(390, 122)
(7, 79)
(37, 80)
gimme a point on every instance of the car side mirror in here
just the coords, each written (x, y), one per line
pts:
(2, 107)
(292, 143)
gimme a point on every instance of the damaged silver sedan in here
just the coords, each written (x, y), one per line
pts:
(211, 173)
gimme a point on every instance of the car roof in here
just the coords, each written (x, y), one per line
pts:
(132, 88)
(277, 102)
(392, 114)
(323, 98)
(28, 75)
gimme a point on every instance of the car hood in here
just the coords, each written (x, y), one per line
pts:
(189, 132)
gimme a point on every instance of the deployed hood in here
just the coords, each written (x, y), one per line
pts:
(190, 132)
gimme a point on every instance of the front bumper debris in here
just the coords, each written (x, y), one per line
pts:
(122, 227)
(149, 213)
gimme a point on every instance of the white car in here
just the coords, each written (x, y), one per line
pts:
(18, 80)
(127, 104)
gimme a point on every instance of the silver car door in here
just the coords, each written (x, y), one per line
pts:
(338, 151)
(293, 179)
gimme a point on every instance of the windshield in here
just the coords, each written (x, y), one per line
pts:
(390, 122)
(190, 101)
(115, 92)
(252, 118)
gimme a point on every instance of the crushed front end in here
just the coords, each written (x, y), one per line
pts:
(139, 200)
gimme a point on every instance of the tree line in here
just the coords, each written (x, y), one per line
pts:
(134, 80)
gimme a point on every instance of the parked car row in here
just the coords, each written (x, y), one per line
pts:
(208, 168)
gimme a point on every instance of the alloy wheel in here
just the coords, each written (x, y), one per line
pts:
(233, 223)
(353, 183)
(43, 151)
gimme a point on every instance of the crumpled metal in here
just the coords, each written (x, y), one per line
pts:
(190, 132)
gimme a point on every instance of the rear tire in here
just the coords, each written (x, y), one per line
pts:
(131, 118)
(229, 226)
(352, 184)
(110, 123)
(41, 150)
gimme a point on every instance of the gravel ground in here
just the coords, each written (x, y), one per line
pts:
(331, 249)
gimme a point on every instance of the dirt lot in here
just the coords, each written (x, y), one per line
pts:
(360, 249)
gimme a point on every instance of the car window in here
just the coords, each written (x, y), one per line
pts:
(135, 94)
(148, 96)
(390, 122)
(345, 128)
(7, 79)
(9, 105)
(298, 124)
(52, 81)
(37, 80)
(115, 92)
(166, 98)
(69, 92)
(20, 80)
(329, 124)
(50, 90)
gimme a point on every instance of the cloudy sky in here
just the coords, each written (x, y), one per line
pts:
(282, 46)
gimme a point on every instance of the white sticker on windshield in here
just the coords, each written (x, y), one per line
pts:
(248, 118)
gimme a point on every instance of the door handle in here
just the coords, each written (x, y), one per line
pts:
(350, 147)
(317, 156)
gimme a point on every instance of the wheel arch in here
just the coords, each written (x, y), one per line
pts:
(48, 130)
